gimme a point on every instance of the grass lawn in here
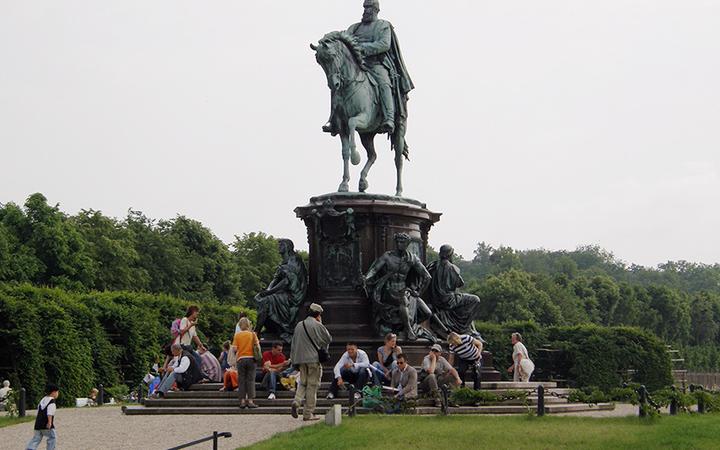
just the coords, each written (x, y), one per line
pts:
(526, 432)
(6, 421)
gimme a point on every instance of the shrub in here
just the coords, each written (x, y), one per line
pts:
(82, 340)
(602, 357)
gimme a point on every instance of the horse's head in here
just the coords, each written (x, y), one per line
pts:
(340, 57)
(328, 55)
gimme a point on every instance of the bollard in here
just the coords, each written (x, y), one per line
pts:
(541, 400)
(643, 401)
(101, 396)
(22, 406)
(674, 402)
(215, 440)
(445, 401)
(701, 403)
(351, 400)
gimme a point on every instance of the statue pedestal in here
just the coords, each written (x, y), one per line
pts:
(346, 233)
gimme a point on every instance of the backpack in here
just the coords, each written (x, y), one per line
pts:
(175, 328)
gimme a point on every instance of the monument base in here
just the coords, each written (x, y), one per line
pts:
(347, 232)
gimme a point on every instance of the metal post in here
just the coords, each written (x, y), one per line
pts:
(101, 396)
(541, 400)
(140, 393)
(215, 440)
(701, 403)
(643, 401)
(445, 409)
(674, 402)
(22, 406)
(351, 400)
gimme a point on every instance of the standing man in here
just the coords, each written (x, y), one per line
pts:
(45, 419)
(381, 50)
(353, 367)
(309, 336)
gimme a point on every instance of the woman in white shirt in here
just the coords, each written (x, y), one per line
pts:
(522, 366)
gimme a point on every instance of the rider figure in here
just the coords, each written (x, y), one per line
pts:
(384, 61)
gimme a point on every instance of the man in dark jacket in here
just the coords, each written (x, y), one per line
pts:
(183, 370)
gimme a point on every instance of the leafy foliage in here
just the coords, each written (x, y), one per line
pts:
(80, 340)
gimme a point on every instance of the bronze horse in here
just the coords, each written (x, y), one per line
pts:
(355, 105)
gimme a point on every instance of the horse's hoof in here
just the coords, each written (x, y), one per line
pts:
(343, 187)
(363, 186)
(355, 157)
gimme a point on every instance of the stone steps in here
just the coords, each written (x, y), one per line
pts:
(424, 410)
(286, 402)
(321, 393)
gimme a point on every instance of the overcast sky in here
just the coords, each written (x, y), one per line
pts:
(534, 123)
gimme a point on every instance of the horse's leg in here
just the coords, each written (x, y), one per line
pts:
(346, 166)
(368, 141)
(399, 143)
(354, 123)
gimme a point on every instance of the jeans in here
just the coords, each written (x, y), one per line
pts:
(246, 378)
(378, 374)
(475, 367)
(268, 380)
(37, 438)
(359, 379)
(166, 383)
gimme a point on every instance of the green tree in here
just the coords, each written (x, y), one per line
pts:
(256, 258)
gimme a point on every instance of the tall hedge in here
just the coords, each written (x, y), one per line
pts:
(81, 340)
(603, 357)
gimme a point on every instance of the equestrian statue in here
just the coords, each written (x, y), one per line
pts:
(369, 87)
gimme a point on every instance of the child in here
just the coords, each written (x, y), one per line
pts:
(45, 420)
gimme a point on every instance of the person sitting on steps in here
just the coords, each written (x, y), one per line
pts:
(353, 367)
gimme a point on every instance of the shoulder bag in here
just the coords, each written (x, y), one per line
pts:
(323, 355)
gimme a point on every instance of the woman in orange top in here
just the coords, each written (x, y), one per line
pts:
(244, 342)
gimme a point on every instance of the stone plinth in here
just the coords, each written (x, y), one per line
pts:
(347, 232)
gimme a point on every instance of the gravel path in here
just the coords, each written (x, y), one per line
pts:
(107, 428)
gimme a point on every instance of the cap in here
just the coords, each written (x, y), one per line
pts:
(316, 308)
(437, 348)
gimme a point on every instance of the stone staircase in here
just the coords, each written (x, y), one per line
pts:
(208, 399)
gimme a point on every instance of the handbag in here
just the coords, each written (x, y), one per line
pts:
(257, 353)
(232, 357)
(323, 355)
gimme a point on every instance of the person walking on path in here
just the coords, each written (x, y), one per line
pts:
(245, 343)
(45, 420)
(310, 337)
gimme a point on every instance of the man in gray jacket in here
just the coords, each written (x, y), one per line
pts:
(303, 353)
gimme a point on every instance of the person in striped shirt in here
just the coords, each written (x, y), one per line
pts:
(469, 353)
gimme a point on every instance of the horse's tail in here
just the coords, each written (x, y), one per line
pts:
(393, 144)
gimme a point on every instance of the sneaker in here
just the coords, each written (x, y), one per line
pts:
(330, 396)
(293, 410)
(310, 419)
(271, 396)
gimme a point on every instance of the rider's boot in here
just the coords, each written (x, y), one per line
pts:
(388, 109)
